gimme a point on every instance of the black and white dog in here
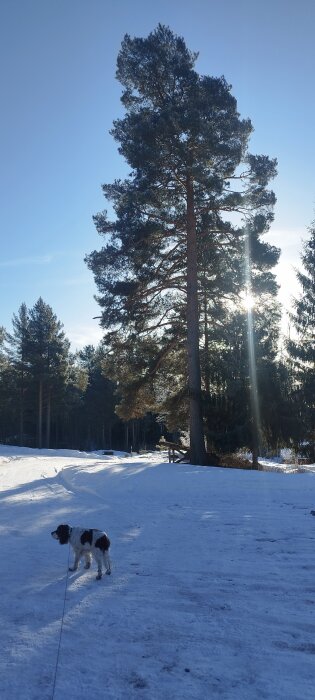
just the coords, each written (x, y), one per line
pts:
(85, 543)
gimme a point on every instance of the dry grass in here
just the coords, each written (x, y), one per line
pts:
(232, 461)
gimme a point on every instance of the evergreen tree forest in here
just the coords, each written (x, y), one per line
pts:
(186, 286)
(50, 397)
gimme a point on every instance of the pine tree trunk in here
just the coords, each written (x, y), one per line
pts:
(197, 444)
(206, 341)
(22, 416)
(48, 420)
(206, 371)
(40, 413)
(255, 454)
(254, 397)
(110, 436)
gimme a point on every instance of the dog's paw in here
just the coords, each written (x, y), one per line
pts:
(73, 568)
(108, 571)
(98, 577)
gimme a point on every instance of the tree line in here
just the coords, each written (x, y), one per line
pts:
(52, 397)
(185, 281)
(49, 396)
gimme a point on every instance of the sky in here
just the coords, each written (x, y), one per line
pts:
(212, 587)
(59, 99)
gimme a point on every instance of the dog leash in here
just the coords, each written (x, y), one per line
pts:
(61, 628)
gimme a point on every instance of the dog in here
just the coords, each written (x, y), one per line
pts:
(87, 544)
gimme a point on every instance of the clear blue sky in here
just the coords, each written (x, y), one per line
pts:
(59, 97)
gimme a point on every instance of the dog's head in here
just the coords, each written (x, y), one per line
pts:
(62, 534)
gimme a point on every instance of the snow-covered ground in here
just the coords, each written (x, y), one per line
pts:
(212, 594)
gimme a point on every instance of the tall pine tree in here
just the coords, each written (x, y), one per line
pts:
(187, 147)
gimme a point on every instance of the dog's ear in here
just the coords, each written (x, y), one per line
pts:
(63, 533)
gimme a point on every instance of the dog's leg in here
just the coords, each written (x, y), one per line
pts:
(98, 559)
(76, 561)
(88, 559)
(107, 563)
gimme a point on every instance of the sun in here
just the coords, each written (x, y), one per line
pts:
(247, 300)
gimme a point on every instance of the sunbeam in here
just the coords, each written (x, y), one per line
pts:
(253, 385)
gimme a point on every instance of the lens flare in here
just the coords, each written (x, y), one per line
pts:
(247, 300)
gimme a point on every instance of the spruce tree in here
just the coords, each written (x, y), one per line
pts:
(7, 393)
(229, 415)
(3, 359)
(98, 400)
(187, 147)
(302, 348)
(48, 351)
(18, 352)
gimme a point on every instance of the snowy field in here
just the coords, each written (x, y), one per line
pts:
(212, 593)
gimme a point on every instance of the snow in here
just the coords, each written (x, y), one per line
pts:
(212, 594)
